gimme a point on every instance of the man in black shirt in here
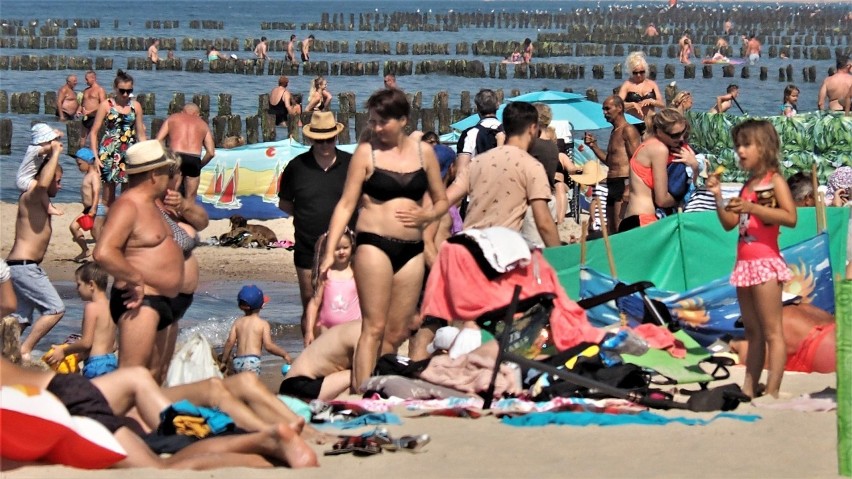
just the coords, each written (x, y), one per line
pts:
(311, 186)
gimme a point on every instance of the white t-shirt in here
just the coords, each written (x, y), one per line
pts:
(29, 167)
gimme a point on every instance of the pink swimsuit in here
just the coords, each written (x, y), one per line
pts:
(339, 303)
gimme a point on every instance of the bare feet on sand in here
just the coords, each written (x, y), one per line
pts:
(284, 443)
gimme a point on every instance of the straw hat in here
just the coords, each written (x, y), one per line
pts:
(322, 126)
(146, 156)
(42, 133)
(593, 173)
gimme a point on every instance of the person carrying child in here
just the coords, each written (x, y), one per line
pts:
(90, 192)
(37, 153)
(335, 301)
(250, 334)
(97, 346)
(764, 204)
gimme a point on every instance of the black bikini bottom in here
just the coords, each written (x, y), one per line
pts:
(400, 252)
(163, 305)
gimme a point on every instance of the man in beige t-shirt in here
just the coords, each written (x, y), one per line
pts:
(504, 181)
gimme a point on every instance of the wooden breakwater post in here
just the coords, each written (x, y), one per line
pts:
(4, 101)
(74, 133)
(267, 120)
(156, 124)
(50, 103)
(224, 104)
(5, 136)
(177, 103)
(252, 127)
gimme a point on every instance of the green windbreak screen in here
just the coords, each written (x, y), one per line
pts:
(684, 251)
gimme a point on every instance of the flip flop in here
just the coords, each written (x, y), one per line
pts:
(409, 443)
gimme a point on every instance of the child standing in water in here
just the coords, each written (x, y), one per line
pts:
(764, 204)
(336, 300)
(791, 100)
(250, 334)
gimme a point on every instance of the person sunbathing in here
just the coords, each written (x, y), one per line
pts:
(809, 333)
(107, 398)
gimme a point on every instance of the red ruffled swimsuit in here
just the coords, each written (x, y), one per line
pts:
(758, 257)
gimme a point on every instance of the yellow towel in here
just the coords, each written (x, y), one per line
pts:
(191, 426)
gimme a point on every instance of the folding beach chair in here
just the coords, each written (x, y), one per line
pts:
(517, 326)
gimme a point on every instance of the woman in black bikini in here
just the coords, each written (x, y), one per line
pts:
(389, 176)
(641, 95)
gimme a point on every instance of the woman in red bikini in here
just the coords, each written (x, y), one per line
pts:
(764, 204)
(648, 176)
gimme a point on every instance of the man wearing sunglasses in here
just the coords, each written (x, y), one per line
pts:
(138, 249)
(310, 188)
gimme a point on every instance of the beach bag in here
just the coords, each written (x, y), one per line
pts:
(193, 362)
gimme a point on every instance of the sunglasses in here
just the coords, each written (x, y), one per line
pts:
(675, 136)
(639, 72)
(325, 141)
(125, 91)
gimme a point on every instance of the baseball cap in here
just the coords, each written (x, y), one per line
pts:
(444, 338)
(84, 154)
(252, 297)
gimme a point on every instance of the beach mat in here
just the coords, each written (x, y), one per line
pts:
(679, 371)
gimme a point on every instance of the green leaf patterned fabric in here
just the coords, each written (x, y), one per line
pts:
(824, 139)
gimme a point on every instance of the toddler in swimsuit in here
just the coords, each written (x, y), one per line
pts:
(336, 300)
(250, 334)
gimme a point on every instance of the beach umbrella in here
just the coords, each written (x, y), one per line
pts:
(583, 114)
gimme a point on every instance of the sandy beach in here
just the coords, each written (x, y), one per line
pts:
(782, 443)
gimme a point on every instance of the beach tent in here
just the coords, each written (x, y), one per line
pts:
(245, 180)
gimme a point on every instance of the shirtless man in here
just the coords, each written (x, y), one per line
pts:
(752, 50)
(726, 101)
(322, 371)
(93, 95)
(306, 48)
(32, 235)
(154, 51)
(261, 50)
(651, 31)
(137, 248)
(837, 86)
(623, 142)
(291, 50)
(66, 100)
(187, 133)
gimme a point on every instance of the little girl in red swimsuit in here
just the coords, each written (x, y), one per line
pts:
(764, 204)
(336, 300)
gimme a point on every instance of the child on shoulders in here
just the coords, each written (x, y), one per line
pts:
(35, 156)
(97, 345)
(250, 334)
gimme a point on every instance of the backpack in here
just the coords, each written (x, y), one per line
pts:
(486, 138)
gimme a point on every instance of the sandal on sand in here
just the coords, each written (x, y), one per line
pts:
(408, 443)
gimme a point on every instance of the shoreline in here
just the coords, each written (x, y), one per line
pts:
(215, 262)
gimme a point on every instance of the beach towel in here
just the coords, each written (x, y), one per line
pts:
(594, 419)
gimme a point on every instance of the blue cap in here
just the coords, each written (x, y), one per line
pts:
(446, 157)
(252, 297)
(84, 154)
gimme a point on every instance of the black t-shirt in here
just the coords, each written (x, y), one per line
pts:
(314, 193)
(547, 153)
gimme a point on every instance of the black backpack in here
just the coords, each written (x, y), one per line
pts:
(486, 138)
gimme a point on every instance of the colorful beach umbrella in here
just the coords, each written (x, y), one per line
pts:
(583, 114)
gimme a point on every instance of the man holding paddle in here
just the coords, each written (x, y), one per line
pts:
(726, 101)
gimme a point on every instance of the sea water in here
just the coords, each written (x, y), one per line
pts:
(242, 20)
(213, 311)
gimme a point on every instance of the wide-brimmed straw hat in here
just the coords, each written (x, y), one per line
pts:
(593, 173)
(146, 156)
(322, 126)
(43, 133)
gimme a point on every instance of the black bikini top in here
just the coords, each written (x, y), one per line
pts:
(384, 185)
(634, 97)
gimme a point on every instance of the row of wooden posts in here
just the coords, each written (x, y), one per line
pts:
(260, 126)
(547, 45)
